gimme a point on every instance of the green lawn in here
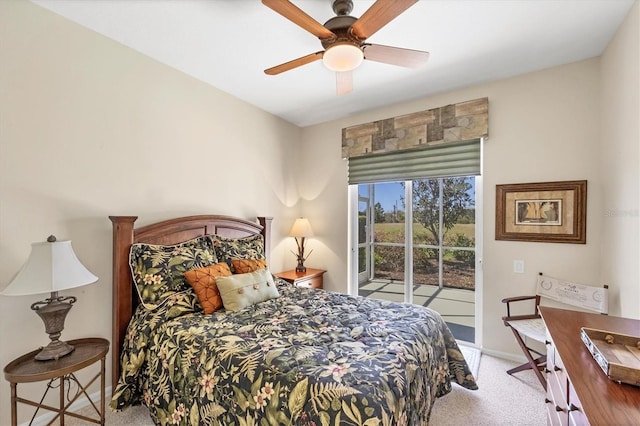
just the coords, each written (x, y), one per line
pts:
(394, 232)
(458, 265)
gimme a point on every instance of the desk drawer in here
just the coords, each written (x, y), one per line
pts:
(556, 401)
(557, 388)
(576, 415)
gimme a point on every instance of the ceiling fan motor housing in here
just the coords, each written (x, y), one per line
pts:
(340, 26)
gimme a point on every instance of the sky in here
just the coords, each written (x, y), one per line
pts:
(388, 194)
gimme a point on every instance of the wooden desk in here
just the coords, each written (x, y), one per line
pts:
(596, 399)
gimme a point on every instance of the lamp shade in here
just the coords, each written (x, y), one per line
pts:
(52, 266)
(342, 57)
(301, 228)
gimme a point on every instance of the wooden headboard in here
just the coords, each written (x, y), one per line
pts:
(167, 232)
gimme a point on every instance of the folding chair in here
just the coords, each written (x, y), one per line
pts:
(532, 326)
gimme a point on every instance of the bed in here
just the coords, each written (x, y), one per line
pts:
(292, 356)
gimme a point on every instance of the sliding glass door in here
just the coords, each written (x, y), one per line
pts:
(422, 251)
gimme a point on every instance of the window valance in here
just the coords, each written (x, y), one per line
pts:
(452, 123)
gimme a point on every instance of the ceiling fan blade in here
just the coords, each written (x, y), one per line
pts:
(298, 17)
(378, 15)
(294, 63)
(395, 55)
(344, 82)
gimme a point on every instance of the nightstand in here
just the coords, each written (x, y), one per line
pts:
(310, 279)
(26, 369)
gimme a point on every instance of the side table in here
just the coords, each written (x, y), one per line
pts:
(312, 278)
(26, 369)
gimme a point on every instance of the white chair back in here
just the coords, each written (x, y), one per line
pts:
(583, 296)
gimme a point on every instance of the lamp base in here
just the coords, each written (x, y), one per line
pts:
(54, 350)
(53, 312)
(300, 256)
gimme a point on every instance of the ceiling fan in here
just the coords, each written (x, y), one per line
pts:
(343, 38)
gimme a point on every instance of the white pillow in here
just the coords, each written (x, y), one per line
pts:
(241, 290)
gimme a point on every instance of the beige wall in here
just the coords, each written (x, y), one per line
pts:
(620, 164)
(578, 121)
(90, 128)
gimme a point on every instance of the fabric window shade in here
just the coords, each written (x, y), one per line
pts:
(445, 160)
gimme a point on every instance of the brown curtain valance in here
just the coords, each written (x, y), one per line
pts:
(452, 123)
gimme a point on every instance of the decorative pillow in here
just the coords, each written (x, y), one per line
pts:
(158, 271)
(203, 281)
(238, 248)
(244, 266)
(242, 290)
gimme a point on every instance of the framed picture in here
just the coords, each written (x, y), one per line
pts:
(551, 212)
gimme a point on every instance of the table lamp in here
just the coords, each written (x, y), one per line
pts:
(300, 230)
(52, 266)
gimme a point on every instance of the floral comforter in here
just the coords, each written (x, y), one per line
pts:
(308, 357)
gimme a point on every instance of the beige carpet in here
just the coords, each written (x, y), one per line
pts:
(501, 400)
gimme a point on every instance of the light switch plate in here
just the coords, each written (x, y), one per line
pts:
(518, 266)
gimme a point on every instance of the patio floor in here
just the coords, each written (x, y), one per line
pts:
(456, 306)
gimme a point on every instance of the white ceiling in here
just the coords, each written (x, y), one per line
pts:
(228, 44)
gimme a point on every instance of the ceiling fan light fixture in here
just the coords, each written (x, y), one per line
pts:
(343, 57)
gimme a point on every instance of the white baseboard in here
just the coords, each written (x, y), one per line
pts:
(497, 354)
(468, 344)
(80, 403)
(504, 355)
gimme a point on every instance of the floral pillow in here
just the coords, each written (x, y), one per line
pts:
(158, 271)
(238, 248)
(203, 281)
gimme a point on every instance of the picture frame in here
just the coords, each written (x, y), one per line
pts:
(549, 212)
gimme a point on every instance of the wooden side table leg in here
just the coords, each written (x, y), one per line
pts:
(102, 391)
(62, 410)
(14, 404)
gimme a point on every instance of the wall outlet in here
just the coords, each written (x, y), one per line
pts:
(518, 266)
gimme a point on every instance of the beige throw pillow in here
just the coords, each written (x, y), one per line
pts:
(242, 290)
